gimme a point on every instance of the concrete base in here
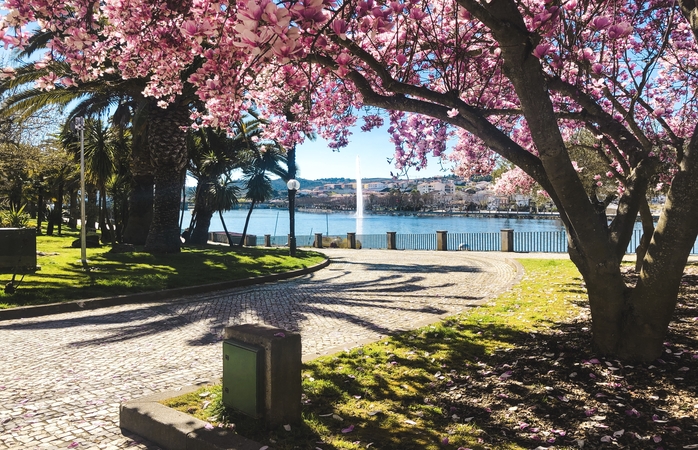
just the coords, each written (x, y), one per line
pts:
(174, 430)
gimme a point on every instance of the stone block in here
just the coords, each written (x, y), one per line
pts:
(17, 249)
(281, 371)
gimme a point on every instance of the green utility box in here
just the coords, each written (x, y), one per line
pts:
(242, 377)
(278, 358)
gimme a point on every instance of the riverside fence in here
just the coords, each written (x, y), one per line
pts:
(504, 240)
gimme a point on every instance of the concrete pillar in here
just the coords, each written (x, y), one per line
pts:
(280, 371)
(351, 240)
(250, 240)
(318, 240)
(267, 240)
(392, 240)
(507, 240)
(441, 241)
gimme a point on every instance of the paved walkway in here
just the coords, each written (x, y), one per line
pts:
(63, 377)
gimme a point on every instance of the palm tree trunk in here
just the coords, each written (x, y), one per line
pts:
(140, 210)
(140, 198)
(74, 211)
(103, 215)
(168, 154)
(39, 213)
(59, 205)
(247, 222)
(225, 229)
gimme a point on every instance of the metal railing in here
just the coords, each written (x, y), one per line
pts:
(524, 241)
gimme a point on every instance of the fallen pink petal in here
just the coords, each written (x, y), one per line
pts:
(348, 429)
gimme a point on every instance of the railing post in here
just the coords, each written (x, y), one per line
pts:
(351, 240)
(267, 240)
(441, 241)
(318, 240)
(392, 241)
(507, 236)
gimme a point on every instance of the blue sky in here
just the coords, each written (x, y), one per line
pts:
(315, 160)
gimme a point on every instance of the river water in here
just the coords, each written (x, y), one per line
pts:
(276, 223)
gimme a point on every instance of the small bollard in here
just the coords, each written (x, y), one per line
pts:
(392, 240)
(250, 241)
(318, 240)
(351, 240)
(507, 236)
(267, 240)
(441, 241)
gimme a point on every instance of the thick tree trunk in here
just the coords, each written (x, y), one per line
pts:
(653, 300)
(199, 235)
(168, 155)
(203, 213)
(608, 294)
(140, 210)
(163, 236)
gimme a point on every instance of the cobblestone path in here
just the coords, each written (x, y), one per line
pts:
(63, 377)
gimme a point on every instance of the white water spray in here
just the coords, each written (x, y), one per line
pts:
(359, 200)
(359, 192)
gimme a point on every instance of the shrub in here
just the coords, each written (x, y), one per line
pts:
(14, 218)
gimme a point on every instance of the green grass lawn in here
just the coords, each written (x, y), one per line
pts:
(61, 276)
(390, 394)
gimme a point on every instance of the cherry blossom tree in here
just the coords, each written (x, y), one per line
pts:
(505, 78)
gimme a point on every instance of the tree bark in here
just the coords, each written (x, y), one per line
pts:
(140, 210)
(168, 155)
(199, 235)
(59, 205)
(163, 236)
(247, 222)
(203, 213)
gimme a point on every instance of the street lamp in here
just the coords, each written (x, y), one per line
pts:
(78, 124)
(293, 185)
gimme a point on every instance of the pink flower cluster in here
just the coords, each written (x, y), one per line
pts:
(310, 66)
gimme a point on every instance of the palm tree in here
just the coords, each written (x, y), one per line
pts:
(262, 158)
(212, 155)
(100, 150)
(164, 135)
(225, 198)
(89, 99)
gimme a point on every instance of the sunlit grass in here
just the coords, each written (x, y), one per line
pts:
(383, 394)
(61, 276)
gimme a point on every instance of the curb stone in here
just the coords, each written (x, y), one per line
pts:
(174, 430)
(24, 312)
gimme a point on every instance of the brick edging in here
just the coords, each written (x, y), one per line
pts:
(24, 312)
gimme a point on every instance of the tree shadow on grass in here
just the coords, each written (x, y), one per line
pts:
(537, 389)
(113, 274)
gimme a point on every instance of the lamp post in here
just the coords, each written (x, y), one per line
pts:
(293, 185)
(78, 124)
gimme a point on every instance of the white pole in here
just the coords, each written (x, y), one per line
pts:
(80, 122)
